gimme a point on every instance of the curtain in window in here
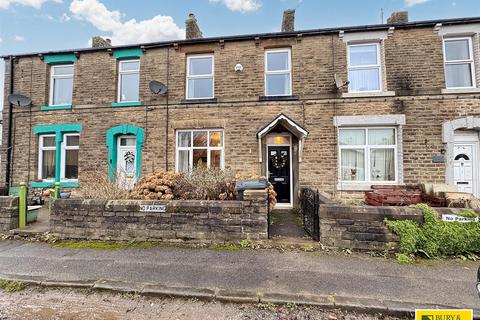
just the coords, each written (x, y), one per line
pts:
(364, 79)
(183, 160)
(48, 164)
(71, 164)
(382, 165)
(459, 75)
(353, 164)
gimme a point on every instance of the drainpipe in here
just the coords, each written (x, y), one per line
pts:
(167, 111)
(10, 129)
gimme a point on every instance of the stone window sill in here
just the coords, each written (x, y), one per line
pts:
(197, 101)
(61, 107)
(51, 184)
(278, 98)
(368, 94)
(360, 186)
(457, 91)
(127, 104)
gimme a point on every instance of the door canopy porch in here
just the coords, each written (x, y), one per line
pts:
(293, 127)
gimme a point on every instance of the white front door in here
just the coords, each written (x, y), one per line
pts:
(126, 161)
(466, 168)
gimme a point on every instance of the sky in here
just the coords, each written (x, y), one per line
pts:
(43, 25)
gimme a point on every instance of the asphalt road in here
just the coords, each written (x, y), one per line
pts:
(444, 283)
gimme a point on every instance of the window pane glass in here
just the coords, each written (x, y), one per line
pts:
(200, 66)
(72, 141)
(278, 84)
(62, 71)
(130, 141)
(48, 164)
(62, 91)
(183, 159)
(215, 159)
(216, 138)
(49, 141)
(199, 158)
(457, 50)
(200, 138)
(130, 66)
(382, 165)
(277, 61)
(200, 88)
(129, 87)
(352, 137)
(353, 165)
(458, 75)
(363, 55)
(364, 80)
(381, 136)
(184, 139)
(71, 164)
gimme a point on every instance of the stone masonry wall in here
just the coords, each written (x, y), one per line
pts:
(414, 70)
(362, 227)
(184, 219)
(8, 213)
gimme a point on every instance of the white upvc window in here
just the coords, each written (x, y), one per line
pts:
(69, 160)
(199, 148)
(278, 72)
(47, 157)
(128, 80)
(459, 65)
(61, 85)
(200, 77)
(368, 154)
(364, 68)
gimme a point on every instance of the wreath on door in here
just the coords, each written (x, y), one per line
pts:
(279, 160)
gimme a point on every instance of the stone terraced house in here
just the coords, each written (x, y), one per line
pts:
(336, 109)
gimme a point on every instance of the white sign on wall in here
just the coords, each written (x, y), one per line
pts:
(455, 218)
(153, 208)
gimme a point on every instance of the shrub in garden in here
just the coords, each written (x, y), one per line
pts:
(97, 185)
(435, 237)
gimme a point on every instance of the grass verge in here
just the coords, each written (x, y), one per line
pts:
(12, 286)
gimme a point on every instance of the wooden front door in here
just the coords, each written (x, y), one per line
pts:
(279, 173)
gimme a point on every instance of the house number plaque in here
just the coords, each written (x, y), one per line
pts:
(153, 208)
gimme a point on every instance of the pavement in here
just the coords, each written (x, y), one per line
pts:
(354, 282)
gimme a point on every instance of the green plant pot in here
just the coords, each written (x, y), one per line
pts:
(32, 213)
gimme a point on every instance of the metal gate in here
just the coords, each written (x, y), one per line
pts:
(310, 204)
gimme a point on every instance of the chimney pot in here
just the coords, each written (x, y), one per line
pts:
(99, 42)
(398, 17)
(288, 22)
(192, 31)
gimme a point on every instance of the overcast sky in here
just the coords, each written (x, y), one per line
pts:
(42, 25)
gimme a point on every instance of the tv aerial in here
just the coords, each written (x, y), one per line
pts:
(157, 87)
(339, 83)
(19, 100)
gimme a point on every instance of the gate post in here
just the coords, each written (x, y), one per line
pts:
(316, 217)
(22, 205)
(56, 192)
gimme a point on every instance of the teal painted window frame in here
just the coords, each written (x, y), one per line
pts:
(51, 184)
(53, 59)
(59, 107)
(133, 53)
(127, 104)
(59, 130)
(112, 135)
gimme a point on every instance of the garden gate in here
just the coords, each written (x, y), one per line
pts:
(310, 204)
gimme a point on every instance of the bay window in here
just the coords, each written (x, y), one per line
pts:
(364, 67)
(199, 148)
(200, 79)
(128, 80)
(459, 65)
(278, 72)
(368, 154)
(61, 85)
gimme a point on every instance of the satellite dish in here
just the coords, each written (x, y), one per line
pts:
(19, 100)
(339, 83)
(157, 87)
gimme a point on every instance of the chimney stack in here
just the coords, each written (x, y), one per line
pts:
(288, 22)
(192, 29)
(99, 42)
(398, 17)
